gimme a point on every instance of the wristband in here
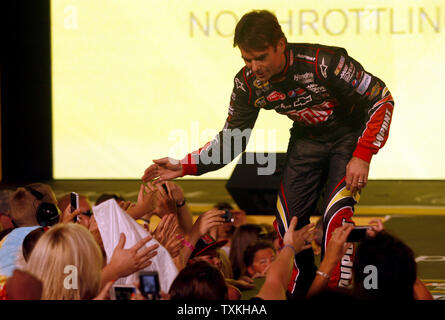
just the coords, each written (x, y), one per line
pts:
(290, 246)
(323, 274)
(181, 204)
(188, 244)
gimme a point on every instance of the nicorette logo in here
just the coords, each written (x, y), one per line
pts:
(275, 96)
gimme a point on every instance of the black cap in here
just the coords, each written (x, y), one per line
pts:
(205, 243)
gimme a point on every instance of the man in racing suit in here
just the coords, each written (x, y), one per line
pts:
(341, 115)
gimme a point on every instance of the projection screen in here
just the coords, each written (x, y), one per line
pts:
(137, 80)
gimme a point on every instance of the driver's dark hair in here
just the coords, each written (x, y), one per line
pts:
(258, 30)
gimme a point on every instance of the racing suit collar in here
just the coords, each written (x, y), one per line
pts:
(283, 73)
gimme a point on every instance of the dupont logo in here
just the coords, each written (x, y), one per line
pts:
(275, 96)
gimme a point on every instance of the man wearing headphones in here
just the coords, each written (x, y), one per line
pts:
(31, 207)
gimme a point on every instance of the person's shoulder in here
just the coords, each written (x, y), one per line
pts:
(317, 58)
(315, 48)
(245, 75)
(242, 86)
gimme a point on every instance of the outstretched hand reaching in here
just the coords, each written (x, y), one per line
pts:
(162, 170)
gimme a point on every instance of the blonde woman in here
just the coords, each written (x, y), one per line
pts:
(68, 261)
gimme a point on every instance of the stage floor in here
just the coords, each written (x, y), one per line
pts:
(379, 196)
(377, 192)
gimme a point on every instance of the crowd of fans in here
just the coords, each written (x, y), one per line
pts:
(93, 252)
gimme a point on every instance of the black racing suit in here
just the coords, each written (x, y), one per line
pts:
(339, 111)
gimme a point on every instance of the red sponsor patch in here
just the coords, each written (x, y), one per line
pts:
(275, 96)
(314, 114)
(299, 91)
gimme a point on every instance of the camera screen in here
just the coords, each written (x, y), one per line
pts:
(74, 201)
(123, 293)
(149, 284)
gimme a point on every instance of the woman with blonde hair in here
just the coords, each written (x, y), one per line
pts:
(68, 261)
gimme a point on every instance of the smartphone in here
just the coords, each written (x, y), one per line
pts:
(74, 197)
(165, 188)
(227, 216)
(149, 284)
(122, 292)
(357, 234)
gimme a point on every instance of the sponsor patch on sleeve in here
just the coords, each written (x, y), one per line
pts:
(340, 65)
(323, 68)
(348, 72)
(364, 84)
(239, 85)
(375, 90)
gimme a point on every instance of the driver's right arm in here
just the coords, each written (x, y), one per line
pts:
(233, 138)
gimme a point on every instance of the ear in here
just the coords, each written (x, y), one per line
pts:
(281, 45)
(250, 271)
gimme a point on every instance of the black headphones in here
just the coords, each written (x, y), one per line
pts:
(47, 213)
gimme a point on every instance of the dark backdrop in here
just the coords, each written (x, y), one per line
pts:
(26, 125)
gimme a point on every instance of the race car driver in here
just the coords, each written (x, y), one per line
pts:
(341, 117)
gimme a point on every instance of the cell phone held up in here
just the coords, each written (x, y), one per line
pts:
(74, 201)
(357, 234)
(149, 284)
(122, 292)
(165, 188)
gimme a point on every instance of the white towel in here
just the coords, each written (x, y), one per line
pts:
(112, 221)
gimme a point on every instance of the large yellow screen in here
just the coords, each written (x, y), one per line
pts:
(136, 80)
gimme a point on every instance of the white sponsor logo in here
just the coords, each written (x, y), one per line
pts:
(364, 84)
(323, 68)
(301, 101)
(316, 88)
(383, 129)
(239, 85)
(348, 72)
(283, 106)
(346, 268)
(302, 56)
(304, 78)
